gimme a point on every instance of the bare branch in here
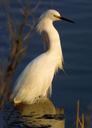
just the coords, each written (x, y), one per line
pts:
(17, 47)
(31, 32)
(11, 27)
(36, 7)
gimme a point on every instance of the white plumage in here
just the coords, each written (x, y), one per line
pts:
(36, 79)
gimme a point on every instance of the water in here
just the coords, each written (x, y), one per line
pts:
(77, 48)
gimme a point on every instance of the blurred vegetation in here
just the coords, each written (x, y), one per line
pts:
(19, 41)
(88, 119)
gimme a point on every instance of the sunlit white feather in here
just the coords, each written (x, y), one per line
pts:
(36, 79)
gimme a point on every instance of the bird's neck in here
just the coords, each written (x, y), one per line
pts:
(54, 45)
(54, 49)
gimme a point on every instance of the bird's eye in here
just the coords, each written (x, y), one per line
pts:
(58, 17)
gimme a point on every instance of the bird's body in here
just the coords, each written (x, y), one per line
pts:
(36, 79)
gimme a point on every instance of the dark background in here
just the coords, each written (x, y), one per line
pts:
(76, 38)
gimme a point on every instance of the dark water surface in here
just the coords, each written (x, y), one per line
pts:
(77, 50)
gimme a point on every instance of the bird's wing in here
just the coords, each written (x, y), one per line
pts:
(19, 82)
(50, 91)
(46, 47)
(29, 74)
(46, 40)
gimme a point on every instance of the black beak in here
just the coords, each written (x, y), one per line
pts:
(63, 18)
(68, 20)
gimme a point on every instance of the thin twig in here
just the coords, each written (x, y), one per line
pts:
(36, 7)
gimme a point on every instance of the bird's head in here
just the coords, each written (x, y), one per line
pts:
(50, 15)
(54, 16)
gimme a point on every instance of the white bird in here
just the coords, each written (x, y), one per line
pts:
(36, 80)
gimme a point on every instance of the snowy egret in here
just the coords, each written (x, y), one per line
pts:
(36, 80)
